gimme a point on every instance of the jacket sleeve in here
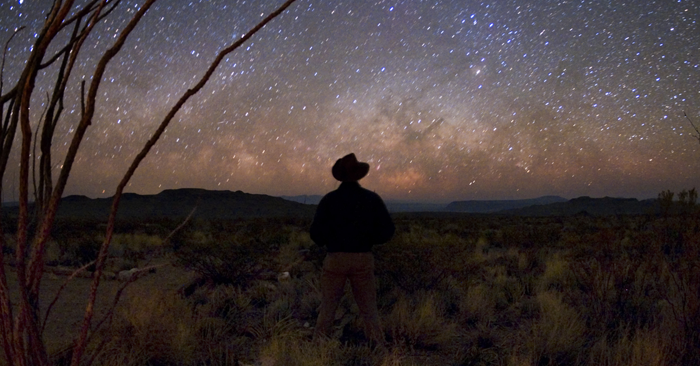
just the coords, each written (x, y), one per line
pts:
(319, 227)
(384, 228)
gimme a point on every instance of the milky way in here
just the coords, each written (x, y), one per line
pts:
(446, 100)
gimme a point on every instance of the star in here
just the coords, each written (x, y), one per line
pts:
(446, 100)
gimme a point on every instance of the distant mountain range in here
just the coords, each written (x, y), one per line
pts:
(541, 206)
(178, 203)
(590, 206)
(492, 206)
(392, 206)
(559, 206)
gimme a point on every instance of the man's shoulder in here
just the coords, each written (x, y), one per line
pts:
(331, 196)
(353, 191)
(369, 193)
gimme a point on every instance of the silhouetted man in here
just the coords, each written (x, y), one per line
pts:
(349, 221)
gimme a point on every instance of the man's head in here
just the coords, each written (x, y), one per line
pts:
(348, 169)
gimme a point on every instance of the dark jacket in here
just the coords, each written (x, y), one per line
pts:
(351, 219)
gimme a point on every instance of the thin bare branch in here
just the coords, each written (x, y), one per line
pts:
(133, 276)
(5, 305)
(9, 96)
(87, 8)
(182, 224)
(25, 331)
(4, 55)
(109, 315)
(86, 120)
(36, 259)
(8, 133)
(58, 293)
(54, 112)
(695, 127)
(80, 344)
(82, 98)
(76, 19)
(36, 193)
(58, 54)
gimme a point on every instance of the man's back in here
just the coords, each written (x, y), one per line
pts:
(351, 219)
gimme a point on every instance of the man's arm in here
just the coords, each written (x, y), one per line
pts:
(319, 230)
(384, 226)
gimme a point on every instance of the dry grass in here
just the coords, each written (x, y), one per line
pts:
(470, 292)
(420, 322)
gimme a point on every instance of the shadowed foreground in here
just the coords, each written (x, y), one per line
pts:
(459, 290)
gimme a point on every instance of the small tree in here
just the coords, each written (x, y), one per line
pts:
(19, 327)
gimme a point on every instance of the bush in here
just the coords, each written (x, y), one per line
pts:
(463, 291)
(420, 322)
(227, 262)
(558, 336)
(422, 259)
(135, 246)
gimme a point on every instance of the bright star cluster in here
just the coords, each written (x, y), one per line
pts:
(446, 99)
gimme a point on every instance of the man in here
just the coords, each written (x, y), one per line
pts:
(349, 221)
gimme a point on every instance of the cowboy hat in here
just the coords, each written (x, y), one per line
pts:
(348, 168)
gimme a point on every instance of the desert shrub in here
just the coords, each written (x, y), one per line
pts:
(558, 336)
(224, 302)
(135, 246)
(419, 321)
(226, 262)
(606, 295)
(152, 330)
(52, 253)
(610, 287)
(240, 251)
(8, 244)
(474, 355)
(476, 290)
(75, 251)
(680, 281)
(493, 237)
(527, 235)
(421, 259)
(303, 295)
(161, 329)
(641, 346)
(277, 323)
(294, 255)
(557, 274)
(310, 303)
(294, 352)
(478, 306)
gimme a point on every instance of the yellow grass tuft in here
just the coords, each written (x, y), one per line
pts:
(558, 336)
(420, 322)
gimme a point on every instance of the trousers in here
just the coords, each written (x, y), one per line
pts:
(339, 267)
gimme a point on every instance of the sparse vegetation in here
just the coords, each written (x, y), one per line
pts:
(461, 290)
(65, 28)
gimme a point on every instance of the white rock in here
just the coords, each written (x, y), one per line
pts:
(283, 276)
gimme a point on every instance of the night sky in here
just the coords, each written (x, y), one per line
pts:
(447, 100)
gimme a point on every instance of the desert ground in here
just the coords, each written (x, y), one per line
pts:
(453, 290)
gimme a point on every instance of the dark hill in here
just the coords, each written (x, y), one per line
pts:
(307, 199)
(177, 204)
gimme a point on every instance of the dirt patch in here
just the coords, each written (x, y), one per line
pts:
(67, 313)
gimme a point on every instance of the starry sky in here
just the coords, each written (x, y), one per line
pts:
(446, 100)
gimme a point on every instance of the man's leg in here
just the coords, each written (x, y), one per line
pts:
(364, 289)
(332, 288)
